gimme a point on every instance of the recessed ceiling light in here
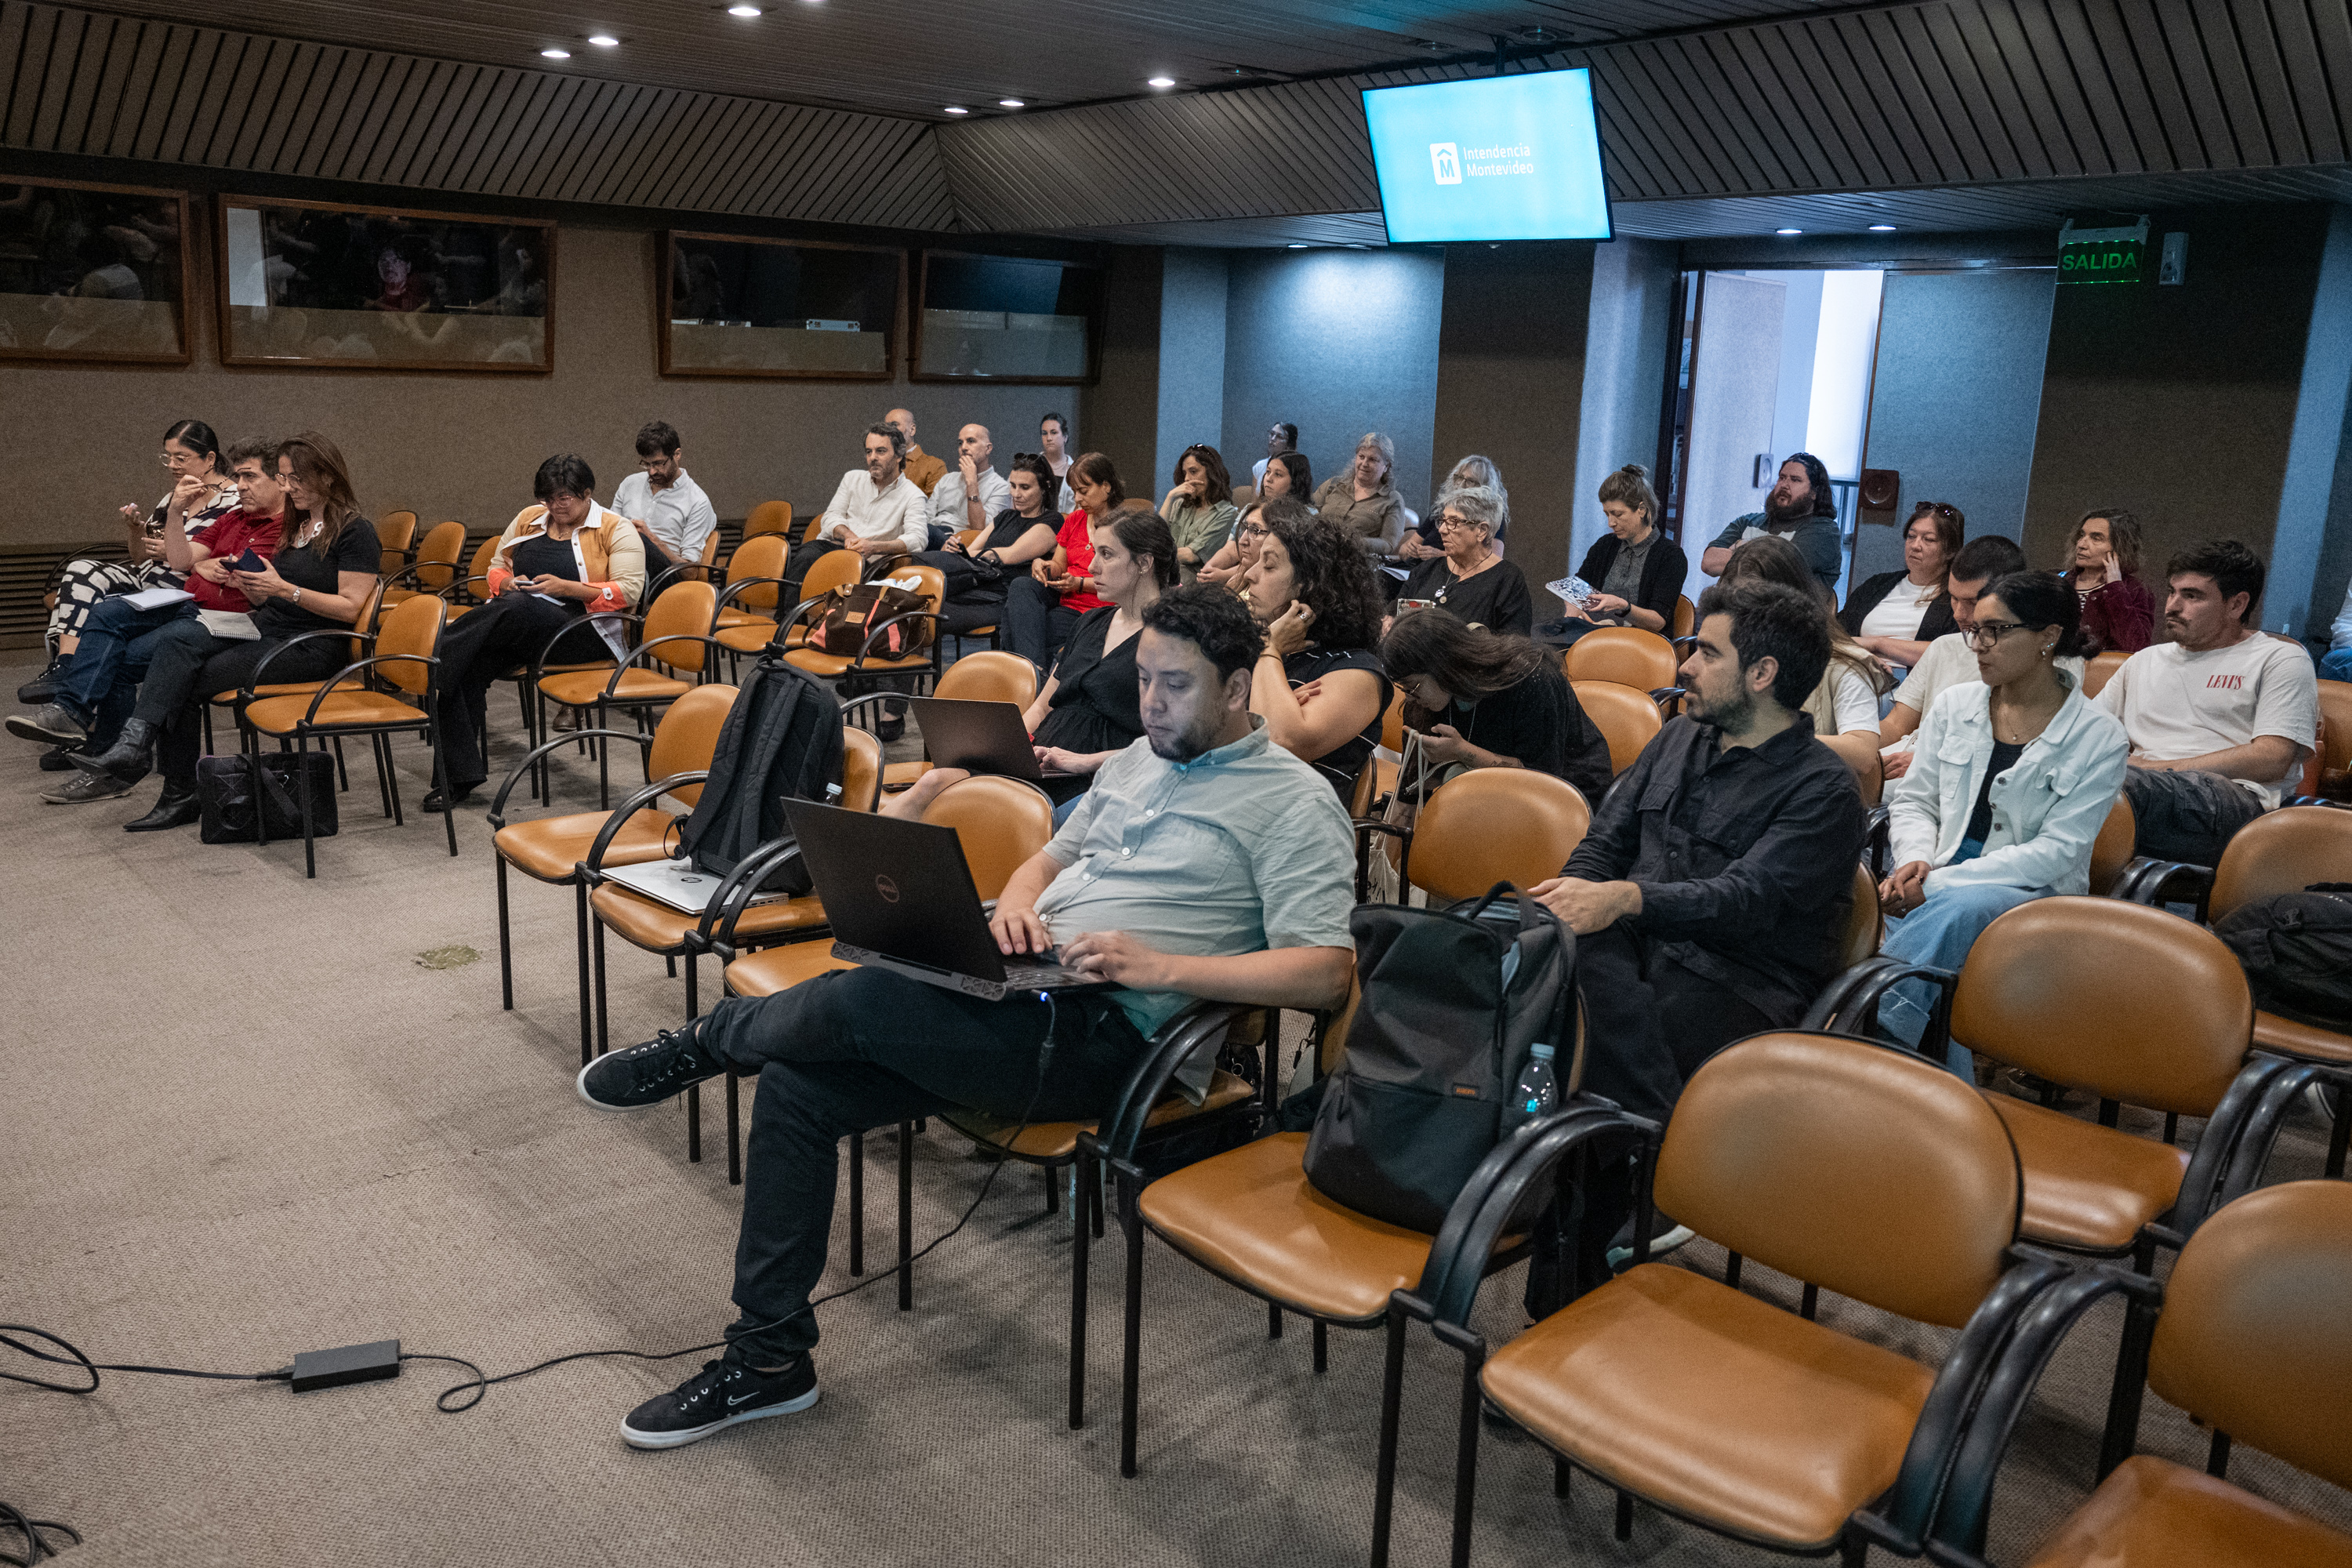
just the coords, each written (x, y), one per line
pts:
(957, 109)
(1882, 229)
(1297, 245)
(603, 40)
(742, 10)
(1010, 103)
(1161, 82)
(555, 54)
(1788, 231)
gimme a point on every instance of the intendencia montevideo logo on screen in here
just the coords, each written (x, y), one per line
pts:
(1451, 164)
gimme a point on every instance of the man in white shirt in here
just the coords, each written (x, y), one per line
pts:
(876, 510)
(672, 516)
(2220, 716)
(973, 493)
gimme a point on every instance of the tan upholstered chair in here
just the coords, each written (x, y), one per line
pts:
(989, 676)
(1630, 656)
(675, 634)
(768, 517)
(1627, 718)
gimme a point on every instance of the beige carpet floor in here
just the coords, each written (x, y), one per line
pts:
(238, 1120)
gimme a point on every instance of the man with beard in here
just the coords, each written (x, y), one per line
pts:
(876, 510)
(1710, 899)
(1802, 509)
(2221, 716)
(1203, 863)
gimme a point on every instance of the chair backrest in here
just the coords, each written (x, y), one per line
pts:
(2112, 850)
(2100, 670)
(1868, 1171)
(411, 627)
(1001, 822)
(1628, 720)
(479, 567)
(967, 537)
(2126, 1001)
(2252, 1339)
(709, 556)
(861, 769)
(816, 521)
(364, 622)
(2282, 852)
(989, 676)
(1626, 655)
(762, 555)
(930, 582)
(436, 558)
(687, 737)
(1858, 750)
(2336, 734)
(835, 569)
(394, 530)
(1686, 616)
(1865, 926)
(684, 610)
(1392, 722)
(768, 517)
(1496, 825)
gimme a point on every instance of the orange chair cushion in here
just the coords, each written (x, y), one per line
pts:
(1059, 1140)
(279, 715)
(775, 969)
(658, 927)
(897, 776)
(585, 690)
(1723, 1407)
(1251, 1215)
(2087, 1186)
(2308, 1041)
(746, 636)
(287, 688)
(2153, 1513)
(550, 847)
(830, 665)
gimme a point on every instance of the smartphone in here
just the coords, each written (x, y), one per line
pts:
(249, 562)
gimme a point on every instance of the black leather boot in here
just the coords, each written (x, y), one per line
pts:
(128, 759)
(175, 808)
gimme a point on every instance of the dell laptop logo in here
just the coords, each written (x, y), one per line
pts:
(887, 889)
(1447, 161)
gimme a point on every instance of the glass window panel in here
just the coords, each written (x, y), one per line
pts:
(750, 307)
(92, 272)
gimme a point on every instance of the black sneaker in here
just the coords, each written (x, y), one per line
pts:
(724, 1393)
(661, 1069)
(43, 688)
(58, 760)
(51, 723)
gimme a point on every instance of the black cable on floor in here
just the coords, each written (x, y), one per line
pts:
(30, 1529)
(74, 1357)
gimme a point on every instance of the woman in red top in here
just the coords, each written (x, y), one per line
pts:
(1041, 608)
(2103, 568)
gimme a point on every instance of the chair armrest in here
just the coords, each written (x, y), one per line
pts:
(875, 632)
(367, 639)
(2236, 1143)
(594, 865)
(499, 803)
(1847, 1003)
(2327, 801)
(734, 895)
(1669, 698)
(623, 667)
(416, 581)
(326, 687)
(856, 703)
(1879, 832)
(2160, 882)
(1170, 1045)
(465, 585)
(737, 587)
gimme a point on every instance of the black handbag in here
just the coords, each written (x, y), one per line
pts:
(238, 794)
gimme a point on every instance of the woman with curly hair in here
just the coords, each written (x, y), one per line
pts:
(1318, 684)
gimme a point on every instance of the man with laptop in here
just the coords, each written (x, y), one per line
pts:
(1204, 863)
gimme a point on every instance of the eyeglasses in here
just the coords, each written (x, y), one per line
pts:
(174, 459)
(1251, 532)
(1990, 633)
(1449, 520)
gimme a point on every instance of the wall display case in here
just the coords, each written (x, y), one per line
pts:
(1005, 318)
(93, 272)
(804, 309)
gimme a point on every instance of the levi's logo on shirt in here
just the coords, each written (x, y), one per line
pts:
(2225, 683)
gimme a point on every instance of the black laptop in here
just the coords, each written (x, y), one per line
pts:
(978, 737)
(899, 896)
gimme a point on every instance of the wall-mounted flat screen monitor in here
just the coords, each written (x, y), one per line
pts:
(1506, 157)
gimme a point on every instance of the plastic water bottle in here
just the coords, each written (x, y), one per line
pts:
(1538, 1094)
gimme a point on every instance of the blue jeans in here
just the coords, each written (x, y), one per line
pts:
(1940, 932)
(101, 676)
(2336, 665)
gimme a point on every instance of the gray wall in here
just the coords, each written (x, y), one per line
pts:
(1955, 396)
(1627, 329)
(1193, 355)
(1337, 343)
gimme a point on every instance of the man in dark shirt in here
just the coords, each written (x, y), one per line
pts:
(1802, 509)
(1710, 899)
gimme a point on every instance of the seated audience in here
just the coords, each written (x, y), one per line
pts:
(674, 519)
(923, 471)
(974, 493)
(99, 685)
(1636, 573)
(1312, 591)
(2336, 665)
(1022, 534)
(1230, 568)
(1283, 438)
(1421, 541)
(1205, 862)
(1086, 711)
(2012, 778)
(1364, 500)
(1053, 442)
(1951, 659)
(559, 566)
(1845, 700)
(2103, 568)
(1712, 895)
(1198, 507)
(2221, 716)
(1896, 615)
(876, 510)
(190, 451)
(1041, 608)
(1286, 474)
(1470, 578)
(1484, 701)
(1802, 509)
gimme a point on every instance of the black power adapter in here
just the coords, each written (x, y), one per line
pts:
(350, 1363)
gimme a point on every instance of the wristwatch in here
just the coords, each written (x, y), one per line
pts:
(295, 599)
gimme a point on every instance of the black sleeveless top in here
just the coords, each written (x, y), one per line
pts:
(540, 556)
(1344, 761)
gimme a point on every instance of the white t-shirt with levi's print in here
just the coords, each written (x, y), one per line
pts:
(2175, 704)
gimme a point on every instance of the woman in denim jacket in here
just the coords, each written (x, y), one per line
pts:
(2013, 779)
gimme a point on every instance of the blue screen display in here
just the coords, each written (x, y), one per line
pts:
(1508, 157)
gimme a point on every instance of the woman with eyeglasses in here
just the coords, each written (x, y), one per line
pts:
(1286, 474)
(1198, 507)
(191, 451)
(1231, 566)
(1470, 578)
(2012, 778)
(1023, 533)
(1896, 615)
(2103, 568)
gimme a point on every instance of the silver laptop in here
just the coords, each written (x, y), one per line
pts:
(676, 884)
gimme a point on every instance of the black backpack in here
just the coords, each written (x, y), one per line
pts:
(2297, 952)
(1453, 1002)
(782, 741)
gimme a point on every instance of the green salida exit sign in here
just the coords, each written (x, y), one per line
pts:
(2103, 255)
